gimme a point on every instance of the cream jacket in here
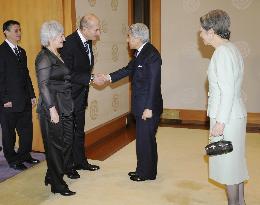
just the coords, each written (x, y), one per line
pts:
(225, 75)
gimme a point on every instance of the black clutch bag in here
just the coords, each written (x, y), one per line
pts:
(218, 148)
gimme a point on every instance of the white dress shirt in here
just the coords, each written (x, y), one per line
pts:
(11, 45)
(83, 39)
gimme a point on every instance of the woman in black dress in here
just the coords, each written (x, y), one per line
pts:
(55, 107)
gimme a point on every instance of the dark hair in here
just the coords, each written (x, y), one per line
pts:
(9, 23)
(219, 21)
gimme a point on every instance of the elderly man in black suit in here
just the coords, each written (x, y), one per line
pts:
(16, 98)
(78, 55)
(147, 103)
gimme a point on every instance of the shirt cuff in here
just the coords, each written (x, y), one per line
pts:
(109, 78)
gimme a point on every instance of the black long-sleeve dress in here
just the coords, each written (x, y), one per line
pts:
(55, 90)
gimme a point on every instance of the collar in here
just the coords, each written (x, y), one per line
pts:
(140, 48)
(10, 44)
(82, 38)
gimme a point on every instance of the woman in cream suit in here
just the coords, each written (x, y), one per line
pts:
(226, 109)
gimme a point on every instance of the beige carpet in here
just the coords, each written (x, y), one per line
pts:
(182, 177)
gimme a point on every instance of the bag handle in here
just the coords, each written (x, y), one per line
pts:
(218, 136)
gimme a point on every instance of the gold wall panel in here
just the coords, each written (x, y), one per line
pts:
(31, 14)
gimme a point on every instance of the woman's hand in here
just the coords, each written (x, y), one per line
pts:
(147, 114)
(218, 129)
(33, 101)
(54, 115)
(8, 104)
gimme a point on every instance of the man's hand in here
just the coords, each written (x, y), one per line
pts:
(147, 114)
(217, 130)
(33, 101)
(101, 79)
(8, 104)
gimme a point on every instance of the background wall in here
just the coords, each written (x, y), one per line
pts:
(111, 53)
(185, 58)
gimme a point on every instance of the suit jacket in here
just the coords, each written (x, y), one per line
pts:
(15, 82)
(145, 71)
(76, 58)
(54, 84)
(225, 75)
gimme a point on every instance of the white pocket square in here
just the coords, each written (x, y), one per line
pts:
(140, 66)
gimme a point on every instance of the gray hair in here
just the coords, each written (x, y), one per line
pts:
(49, 31)
(219, 21)
(139, 30)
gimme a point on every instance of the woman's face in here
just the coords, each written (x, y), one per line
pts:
(58, 41)
(206, 36)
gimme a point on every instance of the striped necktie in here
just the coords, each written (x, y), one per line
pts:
(87, 48)
(17, 53)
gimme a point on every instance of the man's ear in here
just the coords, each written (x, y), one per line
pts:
(5, 32)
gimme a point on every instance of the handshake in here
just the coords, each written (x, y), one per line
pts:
(100, 79)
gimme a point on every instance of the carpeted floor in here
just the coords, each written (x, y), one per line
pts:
(6, 172)
(182, 177)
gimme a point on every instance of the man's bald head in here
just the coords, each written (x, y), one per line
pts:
(88, 20)
(90, 27)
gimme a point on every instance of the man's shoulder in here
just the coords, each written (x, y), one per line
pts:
(71, 42)
(153, 49)
(3, 48)
(72, 37)
(152, 52)
(3, 45)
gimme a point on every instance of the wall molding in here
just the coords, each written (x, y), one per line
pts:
(100, 132)
(200, 116)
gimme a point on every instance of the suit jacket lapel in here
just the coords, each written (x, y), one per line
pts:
(91, 51)
(9, 49)
(143, 52)
(80, 44)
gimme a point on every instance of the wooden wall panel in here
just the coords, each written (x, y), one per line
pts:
(155, 23)
(200, 116)
(31, 14)
(130, 12)
(69, 16)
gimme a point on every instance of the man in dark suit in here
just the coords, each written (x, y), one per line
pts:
(78, 56)
(16, 98)
(147, 103)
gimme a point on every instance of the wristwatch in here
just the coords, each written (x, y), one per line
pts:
(92, 78)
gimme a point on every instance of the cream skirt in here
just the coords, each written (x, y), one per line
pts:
(230, 168)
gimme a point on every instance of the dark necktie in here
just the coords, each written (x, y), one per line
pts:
(17, 53)
(87, 48)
